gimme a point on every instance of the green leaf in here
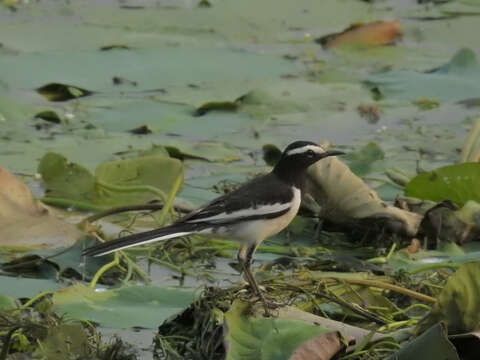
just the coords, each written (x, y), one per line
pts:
(433, 344)
(6, 302)
(360, 161)
(117, 183)
(458, 183)
(253, 338)
(18, 287)
(154, 66)
(145, 306)
(65, 179)
(457, 80)
(458, 304)
(157, 172)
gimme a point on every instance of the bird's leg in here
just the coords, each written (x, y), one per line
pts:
(245, 259)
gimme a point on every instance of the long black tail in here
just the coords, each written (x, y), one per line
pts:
(167, 232)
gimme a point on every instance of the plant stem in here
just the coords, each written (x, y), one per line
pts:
(35, 299)
(396, 288)
(434, 267)
(103, 269)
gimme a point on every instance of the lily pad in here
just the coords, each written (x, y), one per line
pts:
(458, 183)
(144, 306)
(154, 68)
(117, 183)
(360, 161)
(253, 338)
(51, 263)
(18, 287)
(457, 80)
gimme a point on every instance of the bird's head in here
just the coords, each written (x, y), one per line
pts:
(299, 155)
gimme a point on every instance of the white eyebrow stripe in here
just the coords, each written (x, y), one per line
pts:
(315, 148)
(260, 210)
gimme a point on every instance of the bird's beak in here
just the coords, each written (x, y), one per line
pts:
(332, 153)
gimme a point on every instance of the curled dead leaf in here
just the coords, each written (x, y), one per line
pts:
(345, 199)
(375, 33)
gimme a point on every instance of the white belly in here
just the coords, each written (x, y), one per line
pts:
(258, 230)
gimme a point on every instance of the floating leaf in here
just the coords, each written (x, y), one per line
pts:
(361, 160)
(253, 338)
(457, 80)
(135, 176)
(458, 183)
(51, 263)
(376, 33)
(145, 306)
(18, 287)
(116, 183)
(66, 180)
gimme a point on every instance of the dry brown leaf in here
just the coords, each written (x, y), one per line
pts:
(345, 199)
(26, 222)
(321, 347)
(375, 33)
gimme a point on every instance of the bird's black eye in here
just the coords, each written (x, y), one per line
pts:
(310, 153)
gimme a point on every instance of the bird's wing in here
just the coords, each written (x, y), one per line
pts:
(268, 198)
(263, 197)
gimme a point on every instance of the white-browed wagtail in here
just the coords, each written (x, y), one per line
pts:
(253, 212)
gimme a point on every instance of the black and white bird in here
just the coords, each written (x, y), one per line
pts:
(253, 212)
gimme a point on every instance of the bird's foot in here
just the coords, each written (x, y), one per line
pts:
(268, 303)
